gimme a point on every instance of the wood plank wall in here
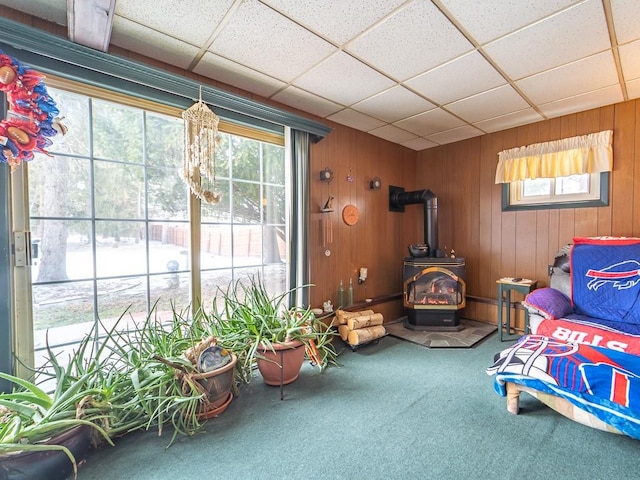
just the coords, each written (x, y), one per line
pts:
(379, 240)
(523, 244)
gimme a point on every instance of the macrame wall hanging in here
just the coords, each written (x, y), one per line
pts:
(200, 142)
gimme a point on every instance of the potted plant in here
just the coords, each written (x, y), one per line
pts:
(173, 381)
(43, 435)
(92, 400)
(275, 337)
(137, 376)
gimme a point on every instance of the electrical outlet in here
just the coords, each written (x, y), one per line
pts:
(549, 270)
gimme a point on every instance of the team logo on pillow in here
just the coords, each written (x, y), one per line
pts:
(621, 275)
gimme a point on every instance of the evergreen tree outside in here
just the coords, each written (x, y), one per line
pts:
(109, 212)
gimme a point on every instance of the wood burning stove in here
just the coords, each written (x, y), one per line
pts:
(433, 285)
(433, 292)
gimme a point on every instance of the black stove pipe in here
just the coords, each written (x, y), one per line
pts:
(430, 204)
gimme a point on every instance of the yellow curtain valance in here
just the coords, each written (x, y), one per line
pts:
(560, 158)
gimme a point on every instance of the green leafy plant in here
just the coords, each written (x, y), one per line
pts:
(143, 375)
(29, 417)
(246, 317)
(163, 381)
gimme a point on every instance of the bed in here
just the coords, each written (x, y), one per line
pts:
(582, 355)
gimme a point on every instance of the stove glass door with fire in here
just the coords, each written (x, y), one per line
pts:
(433, 292)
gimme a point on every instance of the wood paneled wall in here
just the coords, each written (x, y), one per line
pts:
(523, 244)
(379, 240)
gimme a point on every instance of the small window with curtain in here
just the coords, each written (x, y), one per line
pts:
(568, 173)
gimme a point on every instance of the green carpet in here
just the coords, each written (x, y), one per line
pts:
(392, 410)
(471, 333)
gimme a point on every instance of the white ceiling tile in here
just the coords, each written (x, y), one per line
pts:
(573, 34)
(488, 20)
(313, 104)
(337, 21)
(356, 120)
(393, 104)
(404, 63)
(583, 76)
(436, 84)
(148, 42)
(633, 88)
(249, 39)
(433, 121)
(343, 79)
(393, 134)
(510, 120)
(626, 20)
(489, 104)
(52, 10)
(419, 144)
(414, 40)
(226, 71)
(630, 60)
(196, 21)
(587, 101)
(455, 134)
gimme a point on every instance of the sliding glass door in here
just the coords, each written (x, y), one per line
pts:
(111, 221)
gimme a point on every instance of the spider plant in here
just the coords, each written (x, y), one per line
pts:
(164, 381)
(91, 389)
(247, 318)
(29, 417)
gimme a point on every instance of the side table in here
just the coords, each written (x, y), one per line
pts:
(505, 287)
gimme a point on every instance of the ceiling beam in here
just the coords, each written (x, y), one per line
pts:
(90, 22)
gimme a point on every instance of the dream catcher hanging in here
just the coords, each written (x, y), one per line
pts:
(200, 142)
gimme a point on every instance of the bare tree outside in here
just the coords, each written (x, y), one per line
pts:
(53, 236)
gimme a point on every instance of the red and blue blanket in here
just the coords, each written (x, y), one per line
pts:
(601, 381)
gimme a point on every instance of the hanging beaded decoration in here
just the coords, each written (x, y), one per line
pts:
(200, 142)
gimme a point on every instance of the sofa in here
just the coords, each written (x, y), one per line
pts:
(581, 355)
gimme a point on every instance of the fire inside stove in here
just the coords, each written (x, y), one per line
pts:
(435, 287)
(434, 293)
(439, 290)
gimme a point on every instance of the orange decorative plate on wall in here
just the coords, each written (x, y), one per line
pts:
(350, 215)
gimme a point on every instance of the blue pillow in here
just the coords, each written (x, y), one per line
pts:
(549, 302)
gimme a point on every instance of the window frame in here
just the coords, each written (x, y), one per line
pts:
(602, 201)
(193, 219)
(54, 55)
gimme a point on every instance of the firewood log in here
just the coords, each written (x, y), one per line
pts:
(363, 335)
(365, 321)
(343, 316)
(343, 330)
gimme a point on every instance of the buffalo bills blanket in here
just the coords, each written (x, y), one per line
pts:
(582, 329)
(605, 278)
(601, 381)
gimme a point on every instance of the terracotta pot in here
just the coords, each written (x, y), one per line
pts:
(218, 383)
(289, 354)
(214, 411)
(51, 464)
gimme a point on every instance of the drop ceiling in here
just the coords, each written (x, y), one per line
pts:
(420, 73)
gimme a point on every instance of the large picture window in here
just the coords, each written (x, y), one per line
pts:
(111, 222)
